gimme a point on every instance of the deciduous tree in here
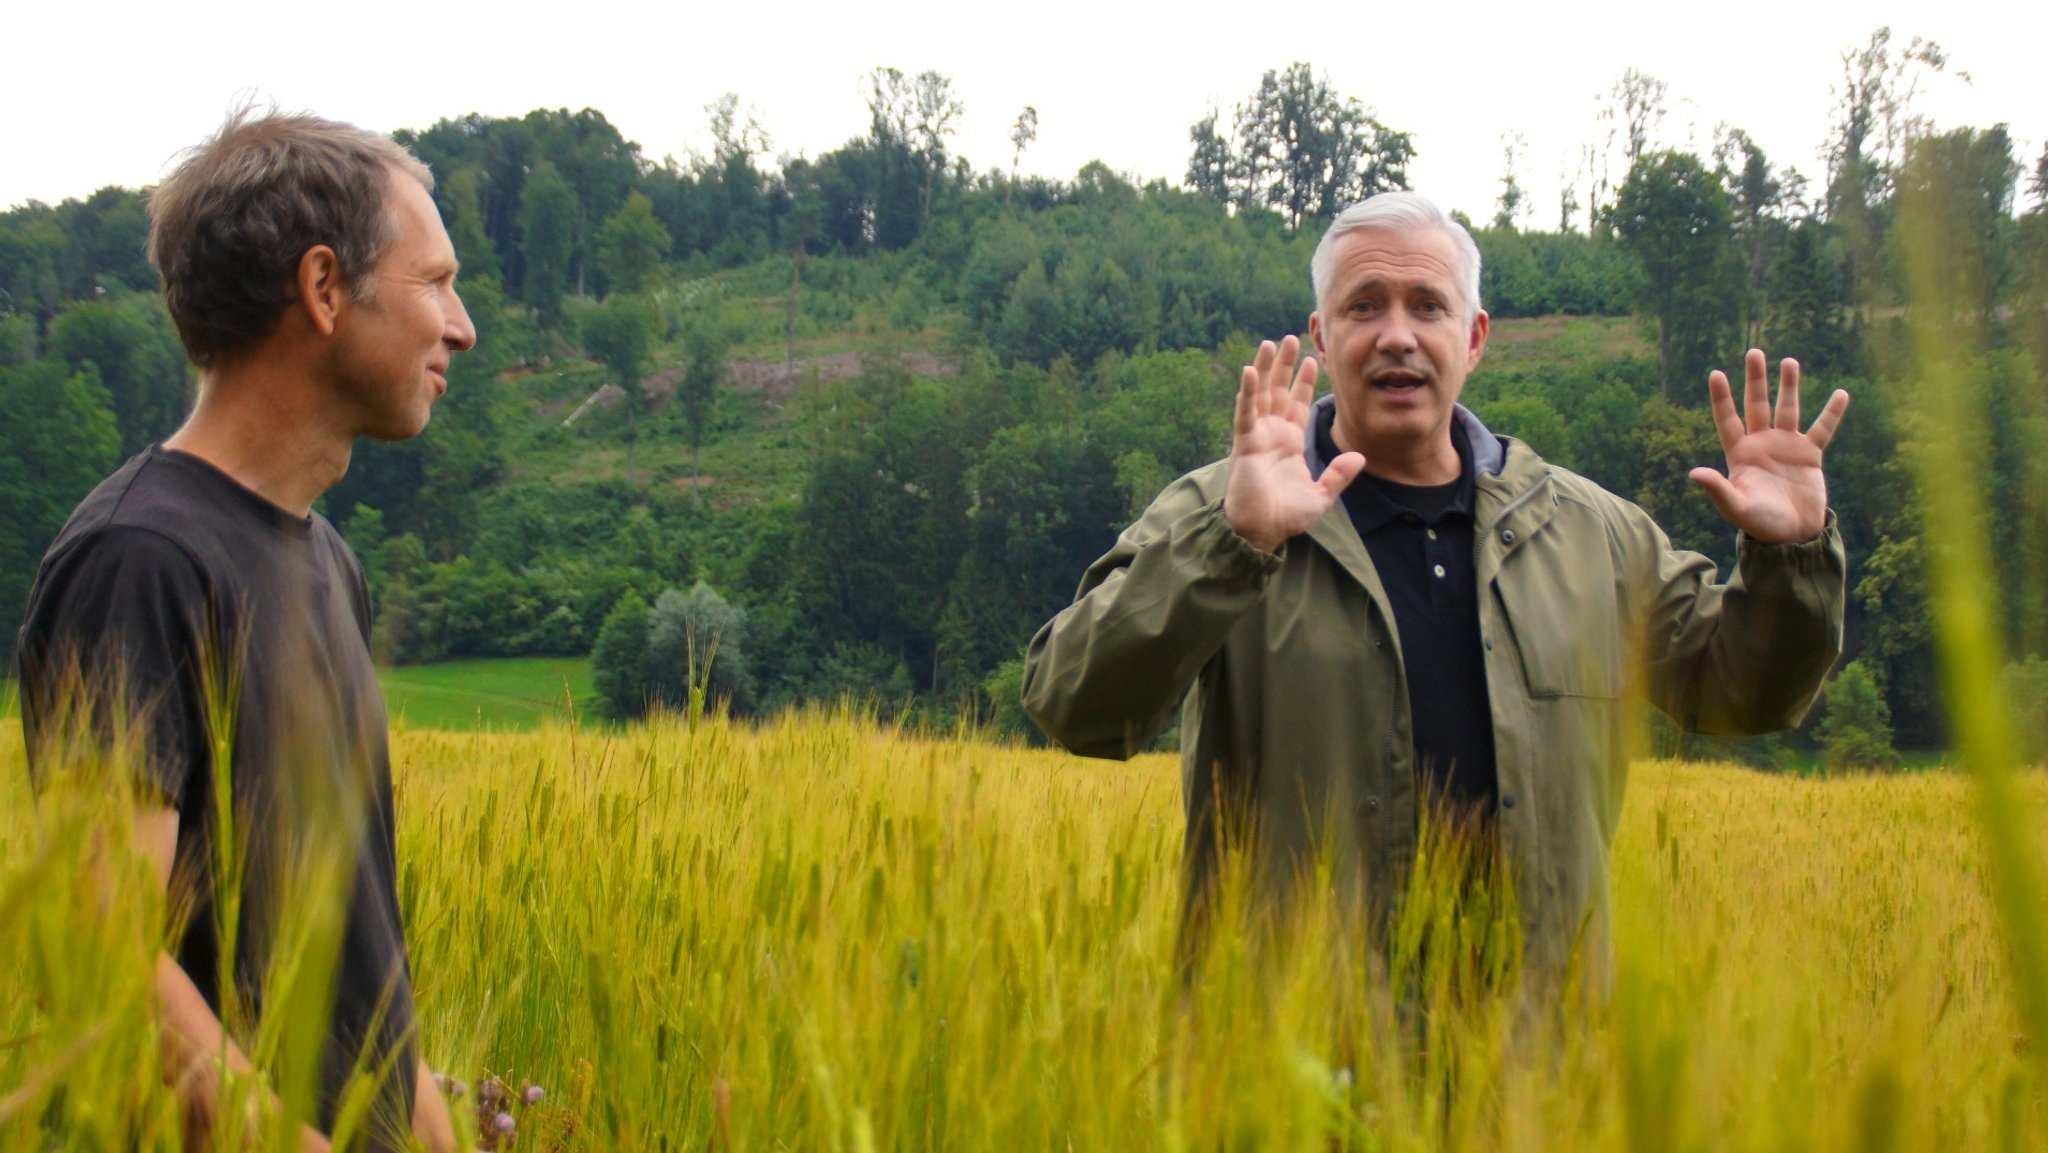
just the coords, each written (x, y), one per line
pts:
(1673, 219)
(632, 246)
(547, 239)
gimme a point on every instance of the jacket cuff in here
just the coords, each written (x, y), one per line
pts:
(1208, 529)
(1821, 554)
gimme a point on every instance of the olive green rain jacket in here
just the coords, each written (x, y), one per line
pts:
(1294, 711)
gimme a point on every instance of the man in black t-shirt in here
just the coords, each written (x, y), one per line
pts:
(195, 599)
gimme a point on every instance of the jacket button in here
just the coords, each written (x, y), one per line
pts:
(1372, 804)
(1507, 800)
(1507, 536)
(1489, 644)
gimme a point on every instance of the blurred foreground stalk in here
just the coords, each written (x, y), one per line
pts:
(1944, 392)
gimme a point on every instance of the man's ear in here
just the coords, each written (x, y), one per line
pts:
(1315, 334)
(322, 293)
(1477, 338)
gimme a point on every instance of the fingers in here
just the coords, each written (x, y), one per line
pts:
(1719, 490)
(1756, 393)
(1830, 419)
(1276, 393)
(1304, 390)
(1247, 392)
(1722, 399)
(1251, 387)
(1273, 384)
(1338, 474)
(1788, 395)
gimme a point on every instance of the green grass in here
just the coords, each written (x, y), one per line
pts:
(512, 694)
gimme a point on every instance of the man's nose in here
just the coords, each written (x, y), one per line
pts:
(460, 333)
(1397, 332)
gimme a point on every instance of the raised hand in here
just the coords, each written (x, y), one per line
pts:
(1271, 496)
(1774, 490)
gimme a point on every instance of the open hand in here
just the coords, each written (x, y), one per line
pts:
(1774, 491)
(1271, 496)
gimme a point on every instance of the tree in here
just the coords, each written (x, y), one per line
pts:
(1512, 145)
(618, 662)
(1965, 182)
(58, 440)
(619, 333)
(106, 236)
(739, 205)
(461, 202)
(1754, 194)
(1321, 151)
(17, 340)
(696, 643)
(1637, 105)
(1673, 219)
(32, 252)
(907, 121)
(1302, 150)
(938, 117)
(1209, 162)
(1044, 503)
(631, 246)
(891, 469)
(703, 370)
(129, 339)
(1855, 728)
(735, 130)
(547, 239)
(1805, 298)
(1022, 133)
(1874, 117)
(1873, 121)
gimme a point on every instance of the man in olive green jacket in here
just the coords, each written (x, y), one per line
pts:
(1246, 596)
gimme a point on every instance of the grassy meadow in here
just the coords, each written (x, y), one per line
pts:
(516, 693)
(822, 933)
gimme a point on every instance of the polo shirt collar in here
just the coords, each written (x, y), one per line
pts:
(1373, 503)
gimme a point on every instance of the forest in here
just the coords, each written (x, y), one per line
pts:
(797, 428)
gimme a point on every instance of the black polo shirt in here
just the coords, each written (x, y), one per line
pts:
(1420, 539)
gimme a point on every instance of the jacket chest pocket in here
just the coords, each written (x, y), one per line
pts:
(1563, 610)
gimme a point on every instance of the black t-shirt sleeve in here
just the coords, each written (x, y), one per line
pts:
(120, 631)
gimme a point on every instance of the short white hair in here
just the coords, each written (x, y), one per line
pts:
(1400, 212)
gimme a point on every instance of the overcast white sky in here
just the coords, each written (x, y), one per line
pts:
(106, 93)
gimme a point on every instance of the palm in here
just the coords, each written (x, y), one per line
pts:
(1774, 490)
(1271, 496)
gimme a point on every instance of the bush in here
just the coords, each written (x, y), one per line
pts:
(1004, 689)
(696, 639)
(618, 662)
(1856, 730)
(863, 674)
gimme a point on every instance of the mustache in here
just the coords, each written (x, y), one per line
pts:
(1408, 366)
